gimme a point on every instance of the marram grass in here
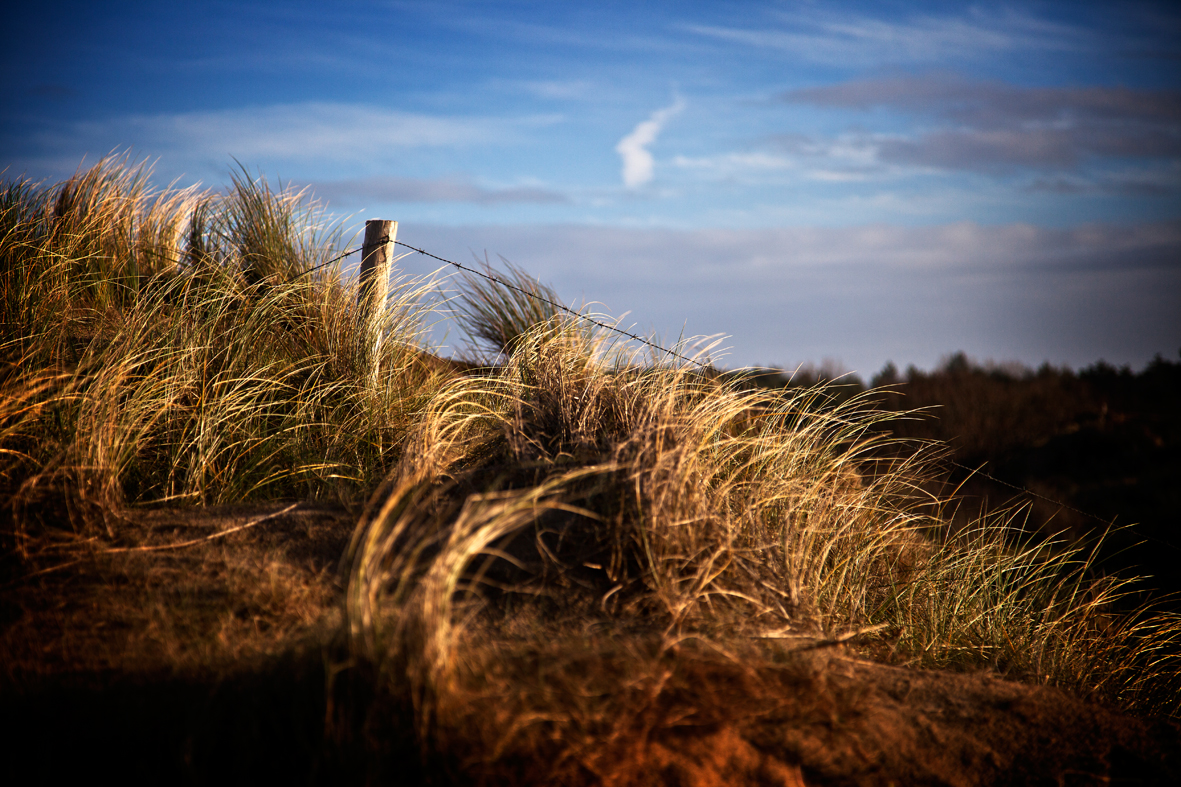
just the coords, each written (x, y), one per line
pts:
(585, 487)
(174, 347)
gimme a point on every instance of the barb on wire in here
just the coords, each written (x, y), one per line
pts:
(502, 283)
(556, 305)
(177, 259)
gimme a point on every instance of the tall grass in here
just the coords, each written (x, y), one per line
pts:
(1040, 611)
(575, 491)
(498, 310)
(175, 346)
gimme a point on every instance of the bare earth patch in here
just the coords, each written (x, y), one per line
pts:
(140, 605)
(216, 662)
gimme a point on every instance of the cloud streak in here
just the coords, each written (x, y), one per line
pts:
(412, 190)
(638, 164)
(994, 127)
(291, 132)
(846, 39)
(993, 103)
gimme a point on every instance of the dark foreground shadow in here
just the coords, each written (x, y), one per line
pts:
(270, 724)
(832, 721)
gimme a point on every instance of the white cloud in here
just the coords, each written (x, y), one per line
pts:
(389, 188)
(841, 38)
(638, 164)
(560, 89)
(838, 176)
(730, 163)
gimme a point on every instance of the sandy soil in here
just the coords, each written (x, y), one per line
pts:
(216, 662)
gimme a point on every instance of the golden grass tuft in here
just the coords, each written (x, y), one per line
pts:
(175, 346)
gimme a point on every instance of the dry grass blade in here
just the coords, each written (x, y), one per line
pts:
(206, 539)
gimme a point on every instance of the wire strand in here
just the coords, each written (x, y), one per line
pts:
(673, 353)
(1108, 522)
(337, 258)
(554, 304)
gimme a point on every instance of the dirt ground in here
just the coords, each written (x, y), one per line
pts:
(220, 661)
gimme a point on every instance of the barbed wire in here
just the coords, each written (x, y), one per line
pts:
(511, 286)
(549, 302)
(1108, 522)
(337, 258)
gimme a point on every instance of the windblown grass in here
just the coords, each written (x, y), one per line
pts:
(175, 346)
(587, 499)
(1039, 611)
(536, 532)
(498, 310)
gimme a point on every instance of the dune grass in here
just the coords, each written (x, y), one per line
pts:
(498, 310)
(173, 346)
(176, 347)
(593, 500)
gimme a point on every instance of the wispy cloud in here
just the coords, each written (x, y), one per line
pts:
(558, 89)
(1151, 181)
(994, 103)
(638, 164)
(397, 189)
(728, 163)
(848, 39)
(291, 132)
(991, 126)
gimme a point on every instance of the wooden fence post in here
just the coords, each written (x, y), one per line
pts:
(375, 279)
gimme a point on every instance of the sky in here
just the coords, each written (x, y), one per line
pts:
(846, 183)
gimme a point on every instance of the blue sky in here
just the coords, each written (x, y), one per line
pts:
(854, 181)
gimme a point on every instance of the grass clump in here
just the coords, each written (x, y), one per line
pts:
(498, 310)
(582, 497)
(175, 346)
